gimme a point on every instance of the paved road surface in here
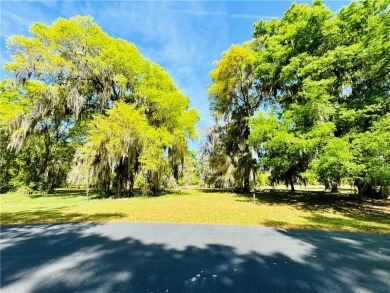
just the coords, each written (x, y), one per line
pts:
(131, 257)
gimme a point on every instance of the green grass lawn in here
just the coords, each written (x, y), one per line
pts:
(279, 208)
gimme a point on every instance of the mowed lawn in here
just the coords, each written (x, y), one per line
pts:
(279, 208)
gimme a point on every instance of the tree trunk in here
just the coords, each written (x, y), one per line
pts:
(292, 184)
(106, 187)
(131, 183)
(247, 187)
(175, 169)
(369, 191)
(51, 183)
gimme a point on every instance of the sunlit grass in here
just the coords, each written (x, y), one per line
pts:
(280, 208)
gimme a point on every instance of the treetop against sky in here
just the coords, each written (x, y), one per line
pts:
(184, 37)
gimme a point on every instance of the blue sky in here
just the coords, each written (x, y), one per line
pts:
(184, 37)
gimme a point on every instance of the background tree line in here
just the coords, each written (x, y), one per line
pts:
(88, 109)
(306, 100)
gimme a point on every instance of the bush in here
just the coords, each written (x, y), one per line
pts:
(262, 179)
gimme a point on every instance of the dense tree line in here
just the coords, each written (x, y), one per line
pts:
(307, 99)
(89, 109)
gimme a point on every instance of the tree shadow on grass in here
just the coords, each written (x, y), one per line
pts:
(361, 223)
(82, 257)
(138, 193)
(54, 215)
(66, 193)
(94, 194)
(369, 211)
(215, 190)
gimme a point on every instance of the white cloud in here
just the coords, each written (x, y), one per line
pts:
(13, 22)
(251, 16)
(223, 14)
(185, 47)
(184, 44)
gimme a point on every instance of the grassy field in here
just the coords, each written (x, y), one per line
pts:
(278, 208)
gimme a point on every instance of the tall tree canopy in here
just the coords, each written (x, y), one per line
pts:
(234, 97)
(329, 77)
(75, 85)
(324, 78)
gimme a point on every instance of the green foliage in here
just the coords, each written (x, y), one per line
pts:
(234, 99)
(262, 179)
(80, 93)
(217, 169)
(119, 145)
(279, 149)
(328, 76)
(334, 163)
(372, 152)
(47, 146)
(191, 170)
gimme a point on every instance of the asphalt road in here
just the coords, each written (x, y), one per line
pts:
(131, 257)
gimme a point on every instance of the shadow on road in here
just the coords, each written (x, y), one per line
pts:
(75, 257)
